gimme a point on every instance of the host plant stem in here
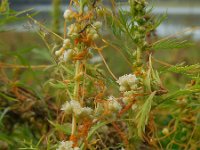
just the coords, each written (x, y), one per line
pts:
(56, 15)
(76, 87)
(76, 97)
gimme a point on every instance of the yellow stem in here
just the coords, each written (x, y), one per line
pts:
(108, 68)
(65, 29)
(4, 65)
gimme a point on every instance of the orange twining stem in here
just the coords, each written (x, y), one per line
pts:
(125, 109)
(81, 55)
(123, 136)
(74, 139)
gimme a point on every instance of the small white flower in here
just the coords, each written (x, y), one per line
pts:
(127, 79)
(73, 30)
(113, 105)
(95, 36)
(122, 88)
(97, 24)
(127, 82)
(68, 54)
(126, 100)
(74, 107)
(58, 52)
(86, 111)
(165, 131)
(134, 106)
(92, 33)
(67, 145)
(68, 14)
(66, 43)
(67, 108)
(77, 109)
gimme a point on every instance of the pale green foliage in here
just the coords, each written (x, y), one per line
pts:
(192, 70)
(143, 115)
(171, 44)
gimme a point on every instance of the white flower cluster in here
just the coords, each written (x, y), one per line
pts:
(113, 105)
(67, 145)
(73, 30)
(65, 53)
(74, 107)
(128, 82)
(92, 32)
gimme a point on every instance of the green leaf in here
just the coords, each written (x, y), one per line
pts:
(185, 69)
(3, 114)
(7, 97)
(158, 20)
(66, 128)
(143, 115)
(170, 44)
(174, 95)
(58, 85)
(181, 92)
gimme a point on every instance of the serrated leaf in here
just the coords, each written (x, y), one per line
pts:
(185, 69)
(158, 20)
(181, 92)
(171, 44)
(143, 115)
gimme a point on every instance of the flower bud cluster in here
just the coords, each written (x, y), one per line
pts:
(74, 107)
(65, 53)
(165, 131)
(129, 85)
(113, 104)
(73, 30)
(69, 14)
(139, 7)
(92, 32)
(67, 145)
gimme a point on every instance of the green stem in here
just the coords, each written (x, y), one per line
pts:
(138, 56)
(82, 5)
(76, 88)
(56, 16)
